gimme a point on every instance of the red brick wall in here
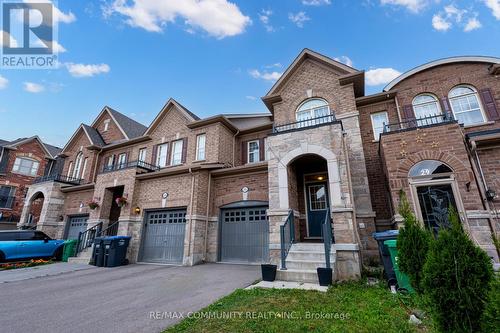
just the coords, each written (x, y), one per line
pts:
(490, 163)
(113, 133)
(80, 141)
(33, 150)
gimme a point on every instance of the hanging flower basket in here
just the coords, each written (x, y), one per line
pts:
(93, 204)
(121, 201)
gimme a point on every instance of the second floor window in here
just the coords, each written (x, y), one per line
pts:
(312, 109)
(78, 165)
(161, 155)
(200, 147)
(25, 166)
(465, 105)
(425, 105)
(122, 161)
(7, 194)
(142, 155)
(378, 121)
(176, 152)
(253, 151)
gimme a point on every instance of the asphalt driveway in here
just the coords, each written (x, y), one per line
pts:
(121, 299)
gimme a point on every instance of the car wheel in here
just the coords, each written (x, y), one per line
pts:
(58, 254)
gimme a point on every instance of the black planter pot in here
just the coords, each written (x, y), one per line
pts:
(325, 276)
(268, 272)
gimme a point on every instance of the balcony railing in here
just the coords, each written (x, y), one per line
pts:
(134, 164)
(446, 117)
(304, 123)
(7, 202)
(59, 179)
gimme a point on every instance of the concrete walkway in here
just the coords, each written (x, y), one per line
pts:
(134, 298)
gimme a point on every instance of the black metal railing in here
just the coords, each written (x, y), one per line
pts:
(86, 238)
(287, 237)
(133, 164)
(60, 179)
(327, 237)
(111, 230)
(7, 202)
(304, 123)
(446, 117)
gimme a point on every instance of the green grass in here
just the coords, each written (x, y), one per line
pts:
(364, 309)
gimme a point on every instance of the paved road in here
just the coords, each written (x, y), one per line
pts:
(115, 299)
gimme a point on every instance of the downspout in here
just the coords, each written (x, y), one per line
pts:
(234, 145)
(206, 217)
(191, 211)
(351, 193)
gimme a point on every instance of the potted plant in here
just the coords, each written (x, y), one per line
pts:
(268, 272)
(325, 276)
(93, 204)
(121, 201)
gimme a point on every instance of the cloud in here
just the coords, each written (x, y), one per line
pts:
(494, 5)
(414, 6)
(378, 76)
(252, 98)
(264, 17)
(3, 39)
(58, 15)
(33, 88)
(440, 23)
(219, 18)
(3, 82)
(268, 76)
(316, 2)
(472, 24)
(275, 65)
(82, 70)
(345, 60)
(299, 19)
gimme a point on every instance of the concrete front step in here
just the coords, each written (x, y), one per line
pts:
(297, 275)
(308, 264)
(308, 255)
(79, 260)
(308, 246)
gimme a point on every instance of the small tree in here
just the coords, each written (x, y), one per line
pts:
(413, 244)
(491, 316)
(456, 279)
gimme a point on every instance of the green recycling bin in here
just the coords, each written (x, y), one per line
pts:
(403, 280)
(69, 249)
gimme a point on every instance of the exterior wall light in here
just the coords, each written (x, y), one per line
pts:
(137, 210)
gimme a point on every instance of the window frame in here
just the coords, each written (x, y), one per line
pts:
(141, 158)
(375, 136)
(121, 164)
(199, 148)
(159, 149)
(17, 167)
(435, 101)
(312, 110)
(77, 166)
(106, 125)
(257, 151)
(174, 144)
(474, 93)
(84, 169)
(11, 196)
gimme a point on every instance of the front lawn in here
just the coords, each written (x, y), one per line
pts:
(349, 307)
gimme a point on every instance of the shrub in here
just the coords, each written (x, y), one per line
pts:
(413, 244)
(456, 279)
(491, 317)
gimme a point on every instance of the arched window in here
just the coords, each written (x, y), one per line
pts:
(465, 105)
(426, 105)
(430, 168)
(313, 108)
(78, 165)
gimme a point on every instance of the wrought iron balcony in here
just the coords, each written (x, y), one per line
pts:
(60, 179)
(305, 123)
(6, 202)
(409, 124)
(133, 164)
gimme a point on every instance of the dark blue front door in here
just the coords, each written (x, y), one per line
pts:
(317, 205)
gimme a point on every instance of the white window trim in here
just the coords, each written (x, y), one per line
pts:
(479, 103)
(70, 169)
(158, 155)
(436, 101)
(386, 122)
(77, 165)
(198, 137)
(172, 156)
(142, 158)
(249, 152)
(311, 110)
(16, 168)
(106, 125)
(121, 164)
(84, 169)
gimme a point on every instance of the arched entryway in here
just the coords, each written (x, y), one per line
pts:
(35, 210)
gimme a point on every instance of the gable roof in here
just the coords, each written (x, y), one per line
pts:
(310, 54)
(91, 133)
(128, 127)
(171, 102)
(444, 61)
(51, 151)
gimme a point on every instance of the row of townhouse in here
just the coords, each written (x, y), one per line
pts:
(253, 188)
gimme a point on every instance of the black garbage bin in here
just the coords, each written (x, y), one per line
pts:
(385, 255)
(115, 250)
(98, 252)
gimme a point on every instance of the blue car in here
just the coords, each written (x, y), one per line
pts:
(28, 244)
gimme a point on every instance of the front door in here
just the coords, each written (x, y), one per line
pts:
(317, 206)
(434, 202)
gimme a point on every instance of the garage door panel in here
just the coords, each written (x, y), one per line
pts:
(244, 235)
(77, 224)
(163, 236)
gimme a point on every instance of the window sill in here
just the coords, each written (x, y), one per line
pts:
(23, 174)
(375, 141)
(199, 161)
(479, 125)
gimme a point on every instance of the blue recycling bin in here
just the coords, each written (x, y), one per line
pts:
(115, 250)
(385, 255)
